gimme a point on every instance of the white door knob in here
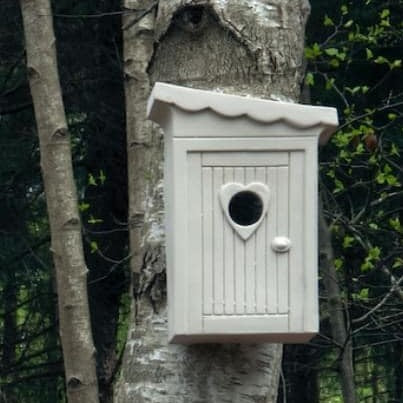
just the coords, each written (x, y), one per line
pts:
(281, 244)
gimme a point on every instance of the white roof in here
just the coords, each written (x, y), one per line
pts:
(235, 106)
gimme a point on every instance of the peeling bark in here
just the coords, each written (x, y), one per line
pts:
(238, 46)
(61, 198)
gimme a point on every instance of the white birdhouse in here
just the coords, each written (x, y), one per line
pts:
(241, 215)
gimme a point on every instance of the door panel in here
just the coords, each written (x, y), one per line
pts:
(237, 278)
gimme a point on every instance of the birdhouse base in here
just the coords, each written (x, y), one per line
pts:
(249, 338)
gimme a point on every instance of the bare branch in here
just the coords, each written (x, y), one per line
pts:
(395, 288)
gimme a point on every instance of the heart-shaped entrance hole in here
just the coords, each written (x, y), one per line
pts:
(244, 206)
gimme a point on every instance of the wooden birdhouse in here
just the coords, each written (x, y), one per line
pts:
(241, 215)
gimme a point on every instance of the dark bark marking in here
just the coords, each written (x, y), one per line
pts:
(74, 383)
(191, 18)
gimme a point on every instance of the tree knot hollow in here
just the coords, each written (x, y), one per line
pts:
(191, 18)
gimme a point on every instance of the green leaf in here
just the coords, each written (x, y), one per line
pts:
(392, 116)
(360, 148)
(338, 263)
(348, 241)
(331, 173)
(392, 180)
(102, 177)
(339, 186)
(374, 253)
(396, 64)
(394, 150)
(352, 36)
(332, 51)
(313, 52)
(91, 180)
(342, 139)
(373, 256)
(83, 206)
(381, 60)
(395, 224)
(370, 55)
(329, 84)
(385, 23)
(93, 220)
(366, 266)
(385, 175)
(397, 263)
(309, 79)
(354, 90)
(348, 24)
(372, 160)
(344, 9)
(342, 56)
(380, 178)
(327, 22)
(347, 111)
(345, 155)
(334, 63)
(93, 246)
(385, 13)
(364, 292)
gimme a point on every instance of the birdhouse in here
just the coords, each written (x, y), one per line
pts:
(240, 182)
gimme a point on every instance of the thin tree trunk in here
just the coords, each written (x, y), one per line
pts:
(239, 47)
(10, 325)
(60, 190)
(10, 330)
(336, 313)
(398, 373)
(300, 369)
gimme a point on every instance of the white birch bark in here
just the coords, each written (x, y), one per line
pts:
(61, 198)
(239, 46)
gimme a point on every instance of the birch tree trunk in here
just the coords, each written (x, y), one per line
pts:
(61, 198)
(237, 46)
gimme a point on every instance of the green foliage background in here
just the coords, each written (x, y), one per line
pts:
(354, 53)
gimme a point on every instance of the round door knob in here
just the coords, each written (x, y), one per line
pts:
(281, 244)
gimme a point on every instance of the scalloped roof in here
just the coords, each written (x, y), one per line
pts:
(234, 106)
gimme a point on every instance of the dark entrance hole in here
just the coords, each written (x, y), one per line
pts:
(245, 208)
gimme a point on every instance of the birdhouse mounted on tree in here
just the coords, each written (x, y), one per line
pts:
(241, 215)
